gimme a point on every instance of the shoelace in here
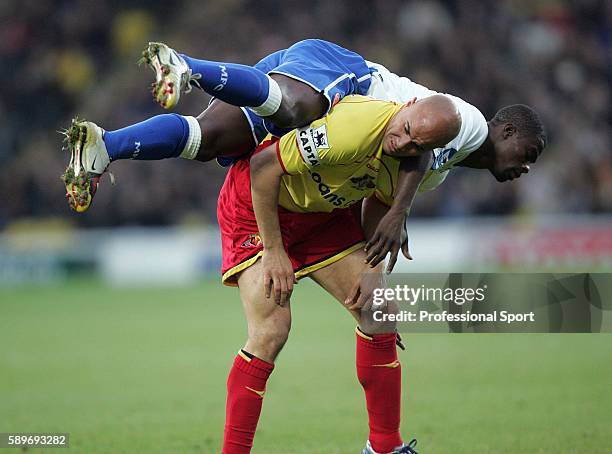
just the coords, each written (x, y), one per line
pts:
(408, 448)
(192, 78)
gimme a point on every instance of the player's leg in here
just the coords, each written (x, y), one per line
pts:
(236, 84)
(268, 323)
(221, 130)
(287, 102)
(226, 132)
(268, 329)
(378, 367)
(300, 106)
(339, 278)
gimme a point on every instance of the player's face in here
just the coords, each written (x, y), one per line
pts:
(411, 132)
(513, 156)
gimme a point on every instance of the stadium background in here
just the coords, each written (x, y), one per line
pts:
(113, 324)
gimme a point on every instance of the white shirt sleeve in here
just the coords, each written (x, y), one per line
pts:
(387, 86)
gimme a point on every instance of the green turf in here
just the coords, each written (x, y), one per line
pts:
(143, 370)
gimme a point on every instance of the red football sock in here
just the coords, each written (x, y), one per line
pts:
(246, 386)
(380, 374)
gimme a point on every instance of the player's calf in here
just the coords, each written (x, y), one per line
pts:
(266, 342)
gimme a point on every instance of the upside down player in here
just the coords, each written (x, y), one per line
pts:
(302, 187)
(289, 88)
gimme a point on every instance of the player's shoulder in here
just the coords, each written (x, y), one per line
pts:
(471, 113)
(474, 128)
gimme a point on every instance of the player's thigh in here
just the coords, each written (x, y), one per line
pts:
(340, 278)
(301, 104)
(225, 132)
(264, 316)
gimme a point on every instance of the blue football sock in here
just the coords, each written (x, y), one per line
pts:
(160, 137)
(235, 84)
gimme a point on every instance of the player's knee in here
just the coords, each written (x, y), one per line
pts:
(225, 132)
(295, 113)
(271, 338)
(211, 134)
(287, 116)
(378, 321)
(300, 105)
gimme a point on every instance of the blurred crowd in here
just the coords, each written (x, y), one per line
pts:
(65, 58)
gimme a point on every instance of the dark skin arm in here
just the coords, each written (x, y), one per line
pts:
(388, 234)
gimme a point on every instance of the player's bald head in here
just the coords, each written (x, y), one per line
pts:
(421, 126)
(438, 118)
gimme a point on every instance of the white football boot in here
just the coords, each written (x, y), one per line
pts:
(172, 74)
(403, 449)
(88, 161)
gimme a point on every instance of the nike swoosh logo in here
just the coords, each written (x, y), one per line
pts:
(392, 365)
(259, 393)
(93, 164)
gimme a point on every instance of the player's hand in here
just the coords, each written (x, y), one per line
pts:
(355, 299)
(390, 236)
(278, 275)
(361, 294)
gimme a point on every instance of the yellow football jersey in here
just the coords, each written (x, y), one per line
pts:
(336, 161)
(386, 185)
(387, 181)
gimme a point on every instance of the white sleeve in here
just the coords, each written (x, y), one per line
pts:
(474, 129)
(473, 133)
(387, 86)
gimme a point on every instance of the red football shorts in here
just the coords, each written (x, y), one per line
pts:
(312, 240)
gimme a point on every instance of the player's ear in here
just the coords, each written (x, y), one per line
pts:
(411, 102)
(509, 130)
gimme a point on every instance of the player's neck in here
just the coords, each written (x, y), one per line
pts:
(483, 157)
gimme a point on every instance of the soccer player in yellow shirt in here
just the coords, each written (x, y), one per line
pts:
(303, 187)
(337, 161)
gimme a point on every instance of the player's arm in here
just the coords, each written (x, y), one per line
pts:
(390, 235)
(266, 173)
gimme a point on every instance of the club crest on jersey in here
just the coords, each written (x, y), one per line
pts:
(363, 183)
(253, 241)
(319, 136)
(442, 157)
(310, 141)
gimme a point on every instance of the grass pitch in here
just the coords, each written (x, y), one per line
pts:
(144, 370)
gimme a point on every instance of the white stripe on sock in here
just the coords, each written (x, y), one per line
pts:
(272, 103)
(194, 140)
